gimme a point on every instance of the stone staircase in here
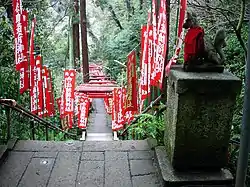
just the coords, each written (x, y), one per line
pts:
(97, 163)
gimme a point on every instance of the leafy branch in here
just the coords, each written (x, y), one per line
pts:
(226, 12)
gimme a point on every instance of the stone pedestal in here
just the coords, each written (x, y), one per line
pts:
(172, 178)
(198, 118)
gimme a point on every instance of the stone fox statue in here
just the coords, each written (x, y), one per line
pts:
(198, 49)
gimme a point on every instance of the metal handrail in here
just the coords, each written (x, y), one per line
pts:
(10, 103)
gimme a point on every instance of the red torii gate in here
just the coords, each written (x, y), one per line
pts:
(99, 86)
(96, 91)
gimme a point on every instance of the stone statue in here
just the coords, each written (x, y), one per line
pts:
(200, 54)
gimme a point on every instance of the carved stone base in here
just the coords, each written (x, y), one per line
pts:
(172, 178)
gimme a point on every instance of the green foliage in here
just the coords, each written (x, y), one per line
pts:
(148, 126)
(117, 43)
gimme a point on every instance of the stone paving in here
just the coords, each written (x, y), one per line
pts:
(75, 163)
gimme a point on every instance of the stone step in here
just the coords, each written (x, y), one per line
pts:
(3, 153)
(99, 137)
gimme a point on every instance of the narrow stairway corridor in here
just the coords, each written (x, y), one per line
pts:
(99, 126)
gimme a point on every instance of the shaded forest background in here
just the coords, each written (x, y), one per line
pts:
(113, 31)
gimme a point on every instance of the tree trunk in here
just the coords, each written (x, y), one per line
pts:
(115, 17)
(76, 38)
(85, 63)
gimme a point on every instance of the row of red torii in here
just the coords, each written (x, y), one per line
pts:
(99, 86)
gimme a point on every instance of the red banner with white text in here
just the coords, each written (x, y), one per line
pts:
(161, 45)
(131, 101)
(173, 60)
(24, 69)
(145, 74)
(129, 116)
(20, 40)
(83, 112)
(119, 97)
(36, 87)
(46, 96)
(108, 104)
(153, 80)
(68, 95)
(33, 99)
(24, 78)
(51, 93)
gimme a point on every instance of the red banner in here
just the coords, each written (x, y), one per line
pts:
(46, 95)
(51, 93)
(33, 98)
(83, 113)
(78, 95)
(160, 53)
(144, 87)
(173, 60)
(70, 121)
(108, 105)
(129, 116)
(24, 69)
(68, 95)
(62, 102)
(119, 97)
(24, 78)
(19, 32)
(131, 101)
(25, 34)
(153, 80)
(144, 62)
(150, 51)
(36, 89)
(39, 83)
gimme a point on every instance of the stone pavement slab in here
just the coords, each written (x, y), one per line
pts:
(65, 169)
(91, 174)
(142, 167)
(93, 156)
(37, 173)
(146, 181)
(117, 172)
(12, 170)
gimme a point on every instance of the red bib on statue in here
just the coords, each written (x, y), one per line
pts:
(194, 43)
